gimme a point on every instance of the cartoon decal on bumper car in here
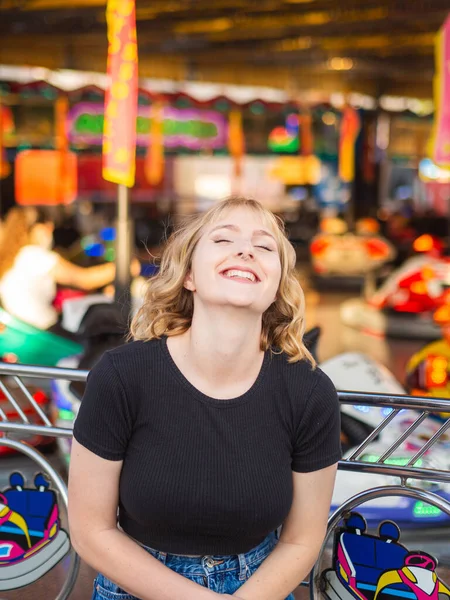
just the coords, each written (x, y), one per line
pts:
(31, 539)
(368, 567)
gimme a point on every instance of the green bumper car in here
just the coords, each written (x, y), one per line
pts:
(23, 343)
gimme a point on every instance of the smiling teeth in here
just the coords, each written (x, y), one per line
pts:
(235, 273)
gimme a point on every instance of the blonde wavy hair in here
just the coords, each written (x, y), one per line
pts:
(168, 306)
(15, 234)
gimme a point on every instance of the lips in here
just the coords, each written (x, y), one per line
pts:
(237, 270)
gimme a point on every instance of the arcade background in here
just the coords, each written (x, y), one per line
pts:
(204, 62)
(392, 185)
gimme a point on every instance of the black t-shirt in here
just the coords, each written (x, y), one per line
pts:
(202, 475)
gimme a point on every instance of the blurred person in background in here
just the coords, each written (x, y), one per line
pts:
(30, 270)
(66, 233)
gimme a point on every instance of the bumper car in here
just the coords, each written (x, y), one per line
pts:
(342, 259)
(23, 343)
(428, 371)
(353, 371)
(403, 306)
(31, 539)
(372, 567)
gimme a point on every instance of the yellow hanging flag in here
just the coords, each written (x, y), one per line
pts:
(119, 130)
(350, 126)
(154, 162)
(61, 110)
(306, 134)
(236, 141)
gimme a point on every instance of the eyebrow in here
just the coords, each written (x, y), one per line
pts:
(236, 228)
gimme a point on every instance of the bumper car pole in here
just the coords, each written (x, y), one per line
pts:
(123, 250)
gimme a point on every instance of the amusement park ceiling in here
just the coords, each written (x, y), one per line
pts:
(371, 46)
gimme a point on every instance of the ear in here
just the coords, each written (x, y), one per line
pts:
(189, 283)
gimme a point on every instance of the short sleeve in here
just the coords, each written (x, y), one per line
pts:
(37, 260)
(318, 437)
(103, 424)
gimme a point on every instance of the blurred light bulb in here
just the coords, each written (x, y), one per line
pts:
(329, 118)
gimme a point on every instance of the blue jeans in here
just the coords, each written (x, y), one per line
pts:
(221, 574)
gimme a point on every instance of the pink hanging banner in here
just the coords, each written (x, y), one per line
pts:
(441, 134)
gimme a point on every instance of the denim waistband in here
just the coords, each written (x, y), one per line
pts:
(211, 564)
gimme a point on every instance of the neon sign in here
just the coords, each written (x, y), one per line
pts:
(186, 128)
(285, 139)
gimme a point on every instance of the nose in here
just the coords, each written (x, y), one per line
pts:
(246, 255)
(246, 251)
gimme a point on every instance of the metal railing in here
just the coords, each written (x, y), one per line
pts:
(18, 400)
(11, 385)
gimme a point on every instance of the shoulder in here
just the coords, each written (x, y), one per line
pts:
(301, 376)
(122, 367)
(40, 257)
(37, 251)
(308, 390)
(128, 371)
(133, 348)
(135, 356)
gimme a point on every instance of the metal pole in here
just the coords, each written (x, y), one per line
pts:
(123, 250)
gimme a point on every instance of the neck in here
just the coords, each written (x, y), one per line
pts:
(224, 345)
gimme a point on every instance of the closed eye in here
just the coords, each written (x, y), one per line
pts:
(265, 248)
(220, 241)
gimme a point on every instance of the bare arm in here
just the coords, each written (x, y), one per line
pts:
(93, 501)
(300, 541)
(88, 278)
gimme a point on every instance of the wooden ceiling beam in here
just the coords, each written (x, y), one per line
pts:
(175, 10)
(197, 6)
(242, 30)
(375, 35)
(388, 38)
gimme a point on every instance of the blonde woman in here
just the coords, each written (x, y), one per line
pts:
(196, 442)
(30, 270)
